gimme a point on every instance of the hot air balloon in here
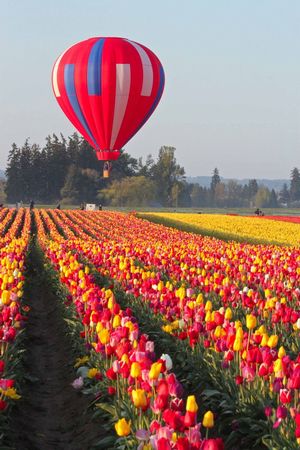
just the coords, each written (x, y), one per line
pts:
(108, 87)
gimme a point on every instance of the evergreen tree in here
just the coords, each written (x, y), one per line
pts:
(215, 180)
(284, 195)
(253, 188)
(295, 185)
(13, 174)
(56, 166)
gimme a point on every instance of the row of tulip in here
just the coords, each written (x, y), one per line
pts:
(292, 219)
(269, 297)
(13, 312)
(237, 227)
(7, 216)
(144, 388)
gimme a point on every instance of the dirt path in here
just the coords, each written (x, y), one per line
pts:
(50, 415)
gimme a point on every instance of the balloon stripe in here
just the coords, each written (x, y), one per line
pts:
(54, 74)
(69, 81)
(147, 70)
(123, 78)
(94, 68)
(156, 100)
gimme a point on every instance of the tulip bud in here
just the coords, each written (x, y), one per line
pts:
(135, 370)
(104, 336)
(228, 314)
(139, 398)
(277, 365)
(208, 420)
(208, 305)
(250, 321)
(191, 404)
(281, 352)
(155, 371)
(272, 341)
(238, 345)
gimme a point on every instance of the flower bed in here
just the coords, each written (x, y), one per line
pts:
(256, 285)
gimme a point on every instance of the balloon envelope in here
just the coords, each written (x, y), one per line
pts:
(108, 87)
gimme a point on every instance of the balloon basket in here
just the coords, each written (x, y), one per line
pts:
(106, 169)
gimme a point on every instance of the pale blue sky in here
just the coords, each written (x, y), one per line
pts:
(232, 95)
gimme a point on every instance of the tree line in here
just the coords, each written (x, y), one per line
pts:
(67, 171)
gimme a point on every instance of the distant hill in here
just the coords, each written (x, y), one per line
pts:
(271, 184)
(2, 174)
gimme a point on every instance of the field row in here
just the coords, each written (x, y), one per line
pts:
(15, 229)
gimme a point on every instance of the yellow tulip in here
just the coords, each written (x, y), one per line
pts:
(122, 427)
(277, 367)
(218, 331)
(199, 299)
(5, 297)
(208, 305)
(281, 352)
(250, 321)
(237, 324)
(262, 329)
(265, 340)
(125, 358)
(139, 398)
(191, 404)
(238, 345)
(272, 341)
(80, 274)
(155, 371)
(239, 333)
(111, 302)
(208, 317)
(99, 327)
(104, 336)
(228, 314)
(135, 370)
(116, 321)
(208, 420)
(92, 372)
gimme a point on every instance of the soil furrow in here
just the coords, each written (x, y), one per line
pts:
(51, 413)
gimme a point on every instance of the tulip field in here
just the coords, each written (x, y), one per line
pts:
(183, 341)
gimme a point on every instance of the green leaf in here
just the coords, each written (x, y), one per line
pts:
(106, 407)
(210, 392)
